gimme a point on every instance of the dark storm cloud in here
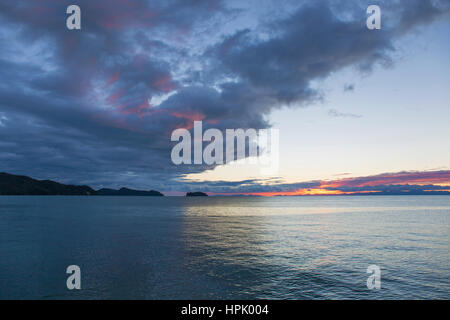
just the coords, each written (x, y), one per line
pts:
(78, 106)
(308, 45)
(78, 117)
(250, 186)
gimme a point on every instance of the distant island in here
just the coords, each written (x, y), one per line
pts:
(13, 185)
(196, 194)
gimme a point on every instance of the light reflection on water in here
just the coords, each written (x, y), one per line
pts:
(219, 248)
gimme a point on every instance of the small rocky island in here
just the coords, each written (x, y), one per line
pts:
(196, 194)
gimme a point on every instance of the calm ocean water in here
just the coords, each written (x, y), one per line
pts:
(225, 247)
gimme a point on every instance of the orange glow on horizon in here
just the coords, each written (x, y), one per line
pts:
(331, 187)
(300, 192)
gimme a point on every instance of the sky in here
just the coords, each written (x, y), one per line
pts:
(358, 110)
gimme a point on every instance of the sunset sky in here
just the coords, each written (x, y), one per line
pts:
(358, 110)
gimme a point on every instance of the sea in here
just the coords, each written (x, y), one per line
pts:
(316, 247)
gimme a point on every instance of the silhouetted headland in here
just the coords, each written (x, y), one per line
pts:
(14, 185)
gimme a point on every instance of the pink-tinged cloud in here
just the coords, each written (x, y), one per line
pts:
(121, 14)
(186, 119)
(412, 178)
(113, 78)
(141, 110)
(113, 98)
(436, 182)
(213, 121)
(191, 116)
(164, 83)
